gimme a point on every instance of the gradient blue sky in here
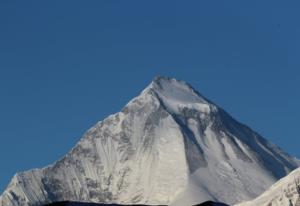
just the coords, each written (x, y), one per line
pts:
(64, 65)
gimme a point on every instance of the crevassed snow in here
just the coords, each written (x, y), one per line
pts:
(167, 146)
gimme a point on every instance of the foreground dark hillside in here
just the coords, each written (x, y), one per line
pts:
(87, 204)
(208, 203)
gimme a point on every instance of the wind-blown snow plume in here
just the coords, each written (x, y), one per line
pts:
(169, 145)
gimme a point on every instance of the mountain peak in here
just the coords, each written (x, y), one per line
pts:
(163, 83)
(177, 95)
(161, 78)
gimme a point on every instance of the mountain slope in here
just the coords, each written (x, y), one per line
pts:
(167, 146)
(285, 192)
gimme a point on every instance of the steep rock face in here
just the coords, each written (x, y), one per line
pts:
(167, 146)
(285, 192)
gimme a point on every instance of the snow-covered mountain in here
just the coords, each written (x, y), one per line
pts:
(169, 145)
(285, 192)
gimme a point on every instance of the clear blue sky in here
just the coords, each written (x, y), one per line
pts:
(66, 65)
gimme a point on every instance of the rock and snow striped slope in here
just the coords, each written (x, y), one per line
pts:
(169, 145)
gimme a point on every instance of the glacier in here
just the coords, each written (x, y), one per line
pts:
(168, 146)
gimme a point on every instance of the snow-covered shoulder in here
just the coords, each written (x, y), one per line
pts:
(285, 192)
